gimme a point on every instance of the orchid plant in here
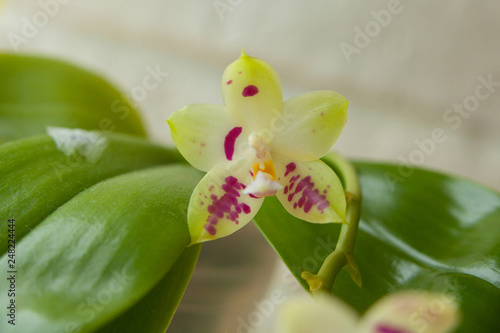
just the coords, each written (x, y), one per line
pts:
(257, 146)
(97, 213)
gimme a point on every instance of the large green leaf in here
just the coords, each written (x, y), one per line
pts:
(124, 238)
(36, 92)
(154, 312)
(36, 178)
(426, 231)
(102, 252)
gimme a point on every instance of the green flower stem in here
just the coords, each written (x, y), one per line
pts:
(342, 256)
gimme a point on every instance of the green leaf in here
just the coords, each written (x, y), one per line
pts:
(36, 92)
(36, 178)
(426, 231)
(102, 252)
(155, 311)
(70, 253)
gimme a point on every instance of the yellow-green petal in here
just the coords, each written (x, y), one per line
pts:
(311, 190)
(321, 314)
(218, 206)
(311, 124)
(251, 90)
(206, 135)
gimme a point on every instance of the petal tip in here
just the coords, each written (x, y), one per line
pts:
(341, 220)
(171, 126)
(197, 240)
(243, 54)
(200, 238)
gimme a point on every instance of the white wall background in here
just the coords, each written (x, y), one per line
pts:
(418, 63)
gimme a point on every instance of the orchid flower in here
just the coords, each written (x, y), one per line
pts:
(402, 312)
(257, 146)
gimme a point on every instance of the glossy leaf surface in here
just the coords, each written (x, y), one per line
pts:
(36, 92)
(155, 311)
(426, 231)
(36, 178)
(103, 251)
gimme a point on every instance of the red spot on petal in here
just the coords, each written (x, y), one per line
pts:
(246, 208)
(210, 228)
(250, 91)
(240, 72)
(290, 168)
(308, 205)
(229, 82)
(323, 205)
(230, 140)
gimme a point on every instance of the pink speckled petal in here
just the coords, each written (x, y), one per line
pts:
(206, 135)
(251, 90)
(218, 206)
(310, 126)
(411, 312)
(311, 190)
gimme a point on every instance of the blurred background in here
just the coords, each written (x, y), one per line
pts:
(422, 78)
